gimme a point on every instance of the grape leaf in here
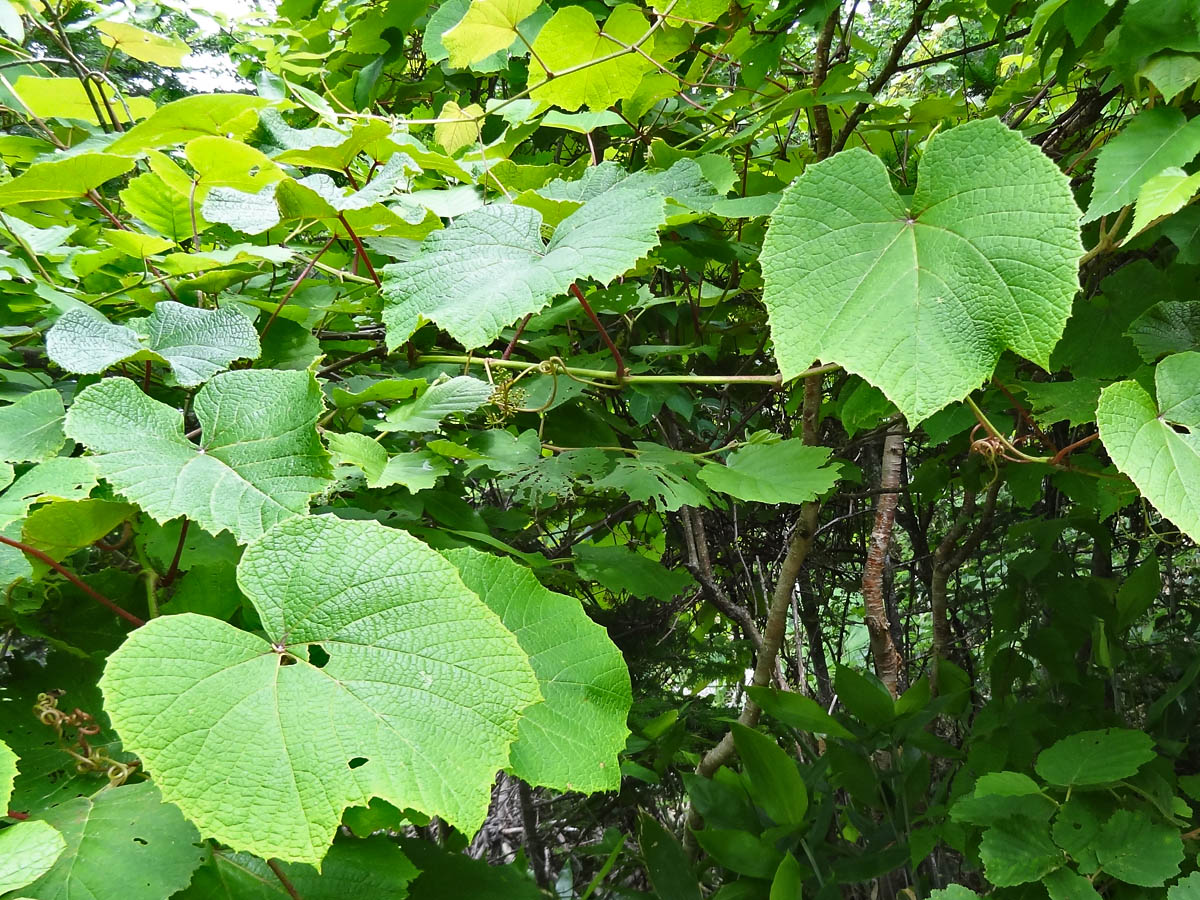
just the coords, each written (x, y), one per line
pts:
(571, 739)
(259, 460)
(667, 478)
(461, 394)
(166, 210)
(381, 675)
(31, 428)
(1063, 884)
(1164, 194)
(230, 115)
(1169, 326)
(312, 197)
(921, 298)
(954, 892)
(66, 98)
(28, 850)
(62, 179)
(122, 843)
(59, 478)
(1158, 444)
(197, 343)
(1186, 888)
(491, 267)
(1155, 140)
(573, 41)
(785, 472)
(8, 773)
(488, 27)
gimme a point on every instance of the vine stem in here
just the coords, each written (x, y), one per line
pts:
(773, 380)
(362, 251)
(74, 579)
(612, 348)
(284, 880)
(295, 285)
(173, 569)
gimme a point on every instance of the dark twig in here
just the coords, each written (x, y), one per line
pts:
(74, 579)
(612, 348)
(283, 880)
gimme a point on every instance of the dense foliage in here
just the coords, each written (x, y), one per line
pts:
(529, 448)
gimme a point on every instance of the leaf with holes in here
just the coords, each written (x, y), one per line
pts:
(123, 843)
(921, 296)
(1096, 757)
(259, 460)
(381, 675)
(1156, 442)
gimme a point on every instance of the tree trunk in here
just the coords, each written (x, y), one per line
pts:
(883, 649)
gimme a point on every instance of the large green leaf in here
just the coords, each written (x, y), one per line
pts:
(571, 739)
(122, 843)
(1096, 757)
(197, 343)
(786, 472)
(1139, 851)
(1157, 444)
(921, 297)
(31, 428)
(489, 26)
(381, 675)
(63, 179)
(573, 42)
(1157, 139)
(491, 267)
(259, 459)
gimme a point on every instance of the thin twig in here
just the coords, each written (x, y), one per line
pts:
(283, 880)
(74, 579)
(612, 348)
